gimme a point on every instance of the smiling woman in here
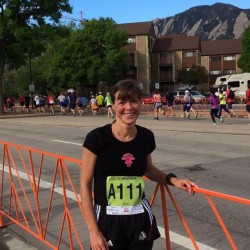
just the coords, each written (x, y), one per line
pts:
(115, 158)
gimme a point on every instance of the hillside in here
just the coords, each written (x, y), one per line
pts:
(215, 22)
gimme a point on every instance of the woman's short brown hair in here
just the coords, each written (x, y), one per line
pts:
(127, 88)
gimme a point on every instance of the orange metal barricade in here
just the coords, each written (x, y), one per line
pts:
(31, 180)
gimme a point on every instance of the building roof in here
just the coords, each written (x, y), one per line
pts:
(221, 47)
(177, 42)
(136, 29)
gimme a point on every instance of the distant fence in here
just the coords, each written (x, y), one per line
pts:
(39, 193)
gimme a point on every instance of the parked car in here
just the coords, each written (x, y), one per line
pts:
(178, 95)
(197, 96)
(148, 99)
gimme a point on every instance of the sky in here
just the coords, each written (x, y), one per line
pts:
(131, 11)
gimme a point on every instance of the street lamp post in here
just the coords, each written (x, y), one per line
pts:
(31, 85)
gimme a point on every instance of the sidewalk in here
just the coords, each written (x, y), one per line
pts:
(9, 240)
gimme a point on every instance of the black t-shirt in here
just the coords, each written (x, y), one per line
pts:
(116, 158)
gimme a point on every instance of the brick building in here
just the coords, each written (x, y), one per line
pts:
(154, 59)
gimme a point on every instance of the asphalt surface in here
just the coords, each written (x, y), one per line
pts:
(9, 240)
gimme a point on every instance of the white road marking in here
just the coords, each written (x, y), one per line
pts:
(68, 142)
(174, 237)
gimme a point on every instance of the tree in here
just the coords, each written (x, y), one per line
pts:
(194, 76)
(244, 61)
(23, 27)
(89, 56)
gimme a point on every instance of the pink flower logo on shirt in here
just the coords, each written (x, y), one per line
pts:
(128, 158)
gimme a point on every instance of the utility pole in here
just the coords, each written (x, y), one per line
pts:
(81, 20)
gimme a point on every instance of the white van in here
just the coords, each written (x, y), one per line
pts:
(238, 83)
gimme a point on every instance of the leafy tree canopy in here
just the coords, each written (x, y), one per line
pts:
(90, 55)
(244, 61)
(23, 28)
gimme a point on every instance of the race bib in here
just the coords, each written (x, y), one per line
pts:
(124, 190)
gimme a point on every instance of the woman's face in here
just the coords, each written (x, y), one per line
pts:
(127, 110)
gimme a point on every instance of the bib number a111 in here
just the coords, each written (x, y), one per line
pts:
(124, 190)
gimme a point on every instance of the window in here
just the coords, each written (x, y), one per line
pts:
(215, 72)
(166, 55)
(131, 40)
(229, 71)
(189, 54)
(131, 72)
(215, 59)
(229, 58)
(234, 84)
(131, 55)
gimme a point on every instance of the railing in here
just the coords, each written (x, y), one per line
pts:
(39, 194)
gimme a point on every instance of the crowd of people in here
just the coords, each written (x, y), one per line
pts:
(98, 104)
(69, 102)
(218, 102)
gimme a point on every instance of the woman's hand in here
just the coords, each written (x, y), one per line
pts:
(184, 184)
(98, 241)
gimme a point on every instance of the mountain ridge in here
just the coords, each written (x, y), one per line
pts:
(210, 22)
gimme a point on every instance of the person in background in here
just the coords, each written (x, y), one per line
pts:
(42, 101)
(93, 105)
(72, 103)
(214, 102)
(170, 102)
(21, 102)
(248, 100)
(27, 102)
(108, 103)
(11, 103)
(61, 99)
(84, 104)
(115, 158)
(223, 102)
(51, 102)
(191, 107)
(186, 104)
(36, 102)
(230, 100)
(100, 103)
(79, 105)
(157, 104)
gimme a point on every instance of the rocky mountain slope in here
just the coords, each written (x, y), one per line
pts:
(215, 22)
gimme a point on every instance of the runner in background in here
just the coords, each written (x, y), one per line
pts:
(157, 104)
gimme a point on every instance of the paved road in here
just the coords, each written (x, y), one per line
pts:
(10, 240)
